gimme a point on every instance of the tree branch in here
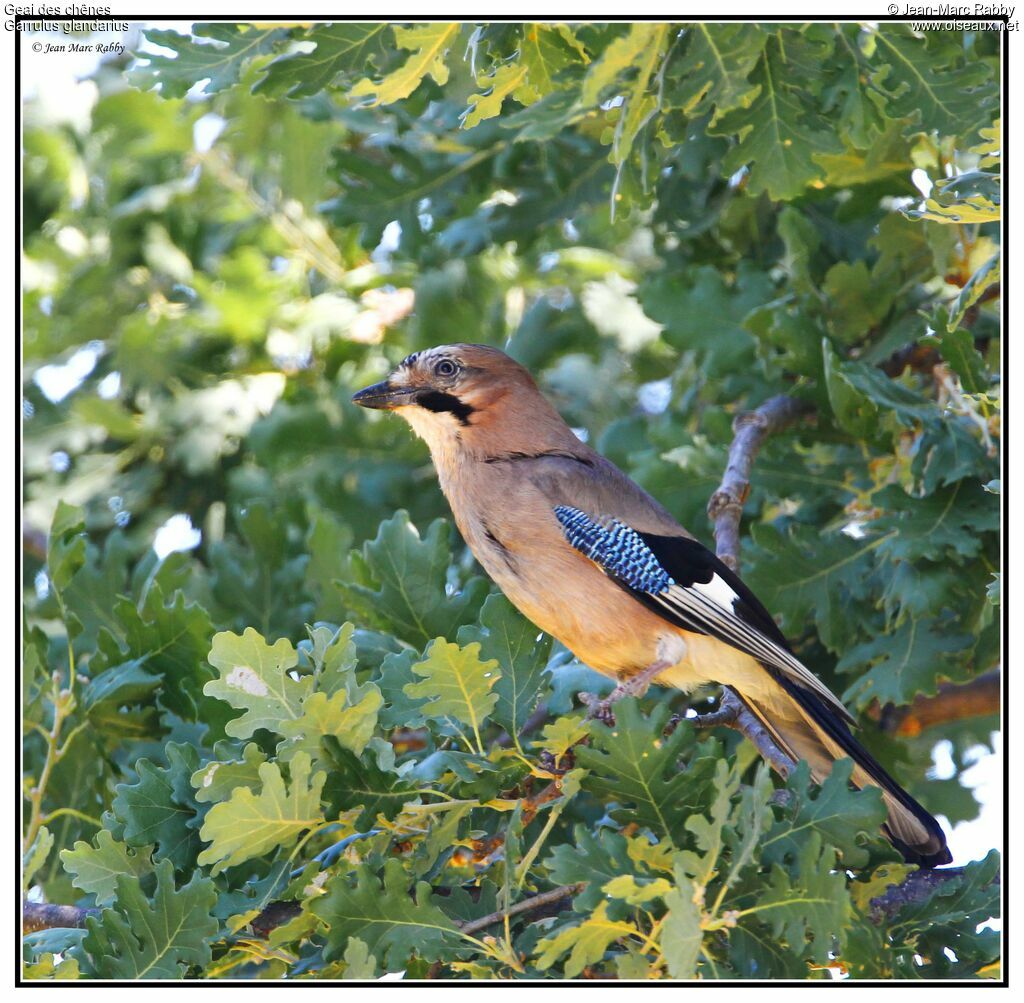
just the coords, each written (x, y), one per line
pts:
(527, 905)
(44, 916)
(977, 698)
(725, 509)
(750, 429)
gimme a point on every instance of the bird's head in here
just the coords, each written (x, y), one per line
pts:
(468, 397)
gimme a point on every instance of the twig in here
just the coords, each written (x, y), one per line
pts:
(725, 508)
(527, 905)
(726, 505)
(733, 713)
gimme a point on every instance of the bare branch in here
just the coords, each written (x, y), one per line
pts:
(750, 429)
(527, 905)
(977, 698)
(725, 509)
(44, 916)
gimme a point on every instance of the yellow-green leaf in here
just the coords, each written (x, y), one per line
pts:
(322, 715)
(254, 678)
(428, 43)
(505, 80)
(587, 942)
(36, 855)
(627, 888)
(459, 685)
(248, 825)
(561, 735)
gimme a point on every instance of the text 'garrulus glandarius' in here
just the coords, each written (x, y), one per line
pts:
(592, 559)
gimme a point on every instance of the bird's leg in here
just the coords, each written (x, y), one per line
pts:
(634, 686)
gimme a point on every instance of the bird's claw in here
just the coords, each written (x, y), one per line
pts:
(598, 709)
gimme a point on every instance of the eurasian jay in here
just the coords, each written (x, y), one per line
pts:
(592, 559)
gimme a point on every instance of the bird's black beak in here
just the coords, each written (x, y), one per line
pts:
(384, 396)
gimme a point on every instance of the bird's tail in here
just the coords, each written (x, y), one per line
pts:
(805, 727)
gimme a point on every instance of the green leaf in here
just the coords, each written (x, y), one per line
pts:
(248, 825)
(334, 658)
(633, 892)
(957, 348)
(370, 782)
(587, 942)
(926, 82)
(35, 856)
(714, 69)
(158, 808)
(65, 545)
(457, 684)
(127, 683)
(400, 583)
(353, 725)
(429, 44)
(216, 780)
(640, 105)
(392, 924)
(704, 303)
(808, 577)
(836, 814)
(153, 938)
(857, 303)
(681, 933)
(707, 829)
(215, 53)
(635, 765)
(164, 645)
(620, 55)
(342, 48)
(521, 651)
(977, 285)
(947, 524)
(254, 678)
(544, 52)
(854, 411)
(359, 963)
(991, 147)
(95, 869)
(860, 106)
(808, 908)
(911, 661)
(593, 860)
(780, 132)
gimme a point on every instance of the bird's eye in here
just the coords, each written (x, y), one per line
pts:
(445, 368)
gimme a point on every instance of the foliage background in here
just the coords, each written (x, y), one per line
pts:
(668, 225)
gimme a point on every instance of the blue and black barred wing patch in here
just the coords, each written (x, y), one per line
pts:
(618, 549)
(682, 581)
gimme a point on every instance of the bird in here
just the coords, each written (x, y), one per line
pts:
(593, 560)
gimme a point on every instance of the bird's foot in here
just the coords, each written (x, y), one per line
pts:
(598, 709)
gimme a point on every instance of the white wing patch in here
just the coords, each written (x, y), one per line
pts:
(717, 591)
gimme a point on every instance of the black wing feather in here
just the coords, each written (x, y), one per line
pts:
(689, 562)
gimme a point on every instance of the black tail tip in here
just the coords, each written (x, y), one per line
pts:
(915, 855)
